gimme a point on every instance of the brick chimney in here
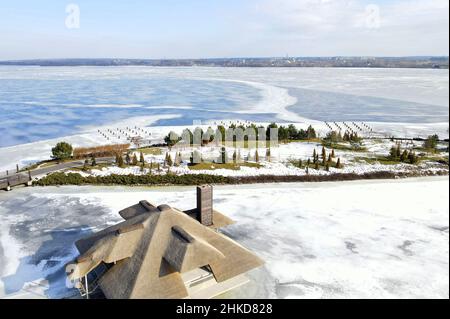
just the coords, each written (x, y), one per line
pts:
(205, 204)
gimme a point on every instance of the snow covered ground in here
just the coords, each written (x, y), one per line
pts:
(279, 163)
(377, 239)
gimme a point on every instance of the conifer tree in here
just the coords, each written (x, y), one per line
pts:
(158, 168)
(256, 156)
(128, 159)
(169, 160)
(166, 158)
(329, 158)
(393, 153)
(94, 162)
(314, 156)
(120, 162)
(327, 167)
(142, 167)
(268, 154)
(324, 154)
(398, 151)
(316, 167)
(135, 160)
(86, 163)
(142, 159)
(404, 156)
(300, 163)
(234, 157)
(413, 159)
(338, 163)
(333, 155)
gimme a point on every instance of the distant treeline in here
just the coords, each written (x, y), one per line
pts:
(340, 61)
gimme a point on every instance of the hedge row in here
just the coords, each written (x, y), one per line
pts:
(57, 179)
(76, 179)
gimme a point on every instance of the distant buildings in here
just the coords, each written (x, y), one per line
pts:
(338, 61)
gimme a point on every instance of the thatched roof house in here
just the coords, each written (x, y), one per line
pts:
(162, 252)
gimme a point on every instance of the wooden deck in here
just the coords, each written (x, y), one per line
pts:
(7, 182)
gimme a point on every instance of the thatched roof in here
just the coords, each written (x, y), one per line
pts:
(154, 246)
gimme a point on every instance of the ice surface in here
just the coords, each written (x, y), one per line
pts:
(43, 103)
(377, 239)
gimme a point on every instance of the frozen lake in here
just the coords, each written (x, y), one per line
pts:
(319, 240)
(38, 103)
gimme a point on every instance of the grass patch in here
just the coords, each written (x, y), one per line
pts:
(356, 147)
(230, 166)
(375, 160)
(150, 151)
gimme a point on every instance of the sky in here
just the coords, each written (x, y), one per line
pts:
(32, 29)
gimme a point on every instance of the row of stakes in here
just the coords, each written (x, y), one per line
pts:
(128, 132)
(349, 128)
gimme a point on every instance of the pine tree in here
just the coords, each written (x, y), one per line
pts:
(256, 156)
(94, 162)
(300, 163)
(142, 167)
(128, 159)
(234, 157)
(86, 163)
(158, 167)
(316, 166)
(169, 160)
(177, 159)
(413, 159)
(120, 162)
(166, 159)
(314, 156)
(151, 167)
(327, 167)
(135, 160)
(398, 151)
(333, 155)
(404, 156)
(338, 163)
(142, 159)
(324, 154)
(393, 153)
(268, 154)
(329, 158)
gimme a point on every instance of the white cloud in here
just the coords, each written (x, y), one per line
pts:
(352, 27)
